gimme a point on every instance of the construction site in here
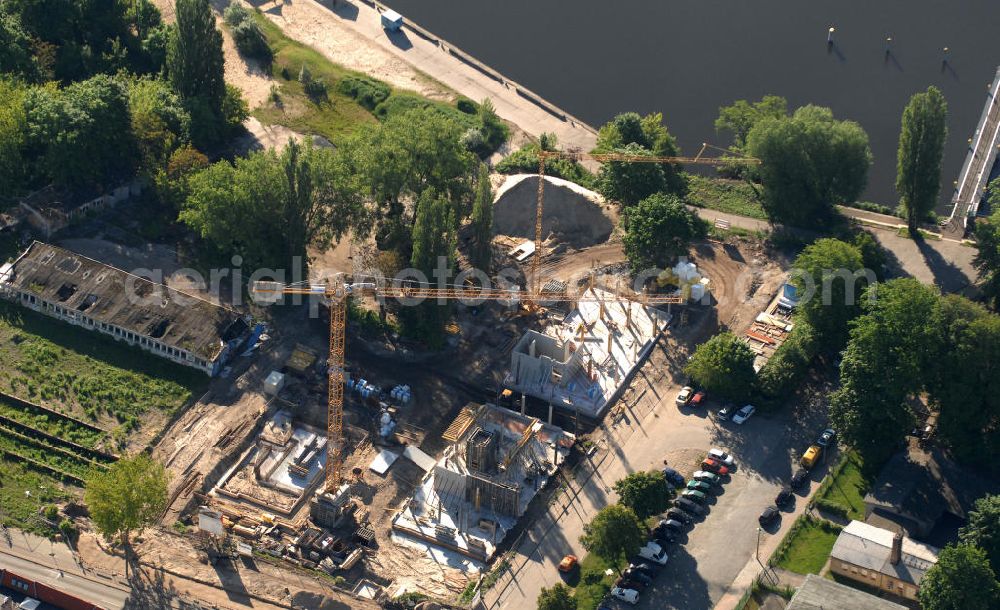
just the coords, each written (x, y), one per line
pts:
(322, 449)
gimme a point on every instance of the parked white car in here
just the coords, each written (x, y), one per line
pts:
(653, 552)
(684, 396)
(629, 596)
(722, 456)
(744, 414)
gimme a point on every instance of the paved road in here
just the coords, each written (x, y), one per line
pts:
(428, 57)
(712, 564)
(53, 564)
(945, 263)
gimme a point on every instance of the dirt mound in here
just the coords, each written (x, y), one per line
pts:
(573, 215)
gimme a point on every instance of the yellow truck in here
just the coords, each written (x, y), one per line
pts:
(811, 456)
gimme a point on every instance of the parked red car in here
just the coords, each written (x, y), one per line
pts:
(714, 465)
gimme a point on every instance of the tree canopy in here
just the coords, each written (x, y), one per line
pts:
(267, 208)
(892, 346)
(982, 529)
(196, 67)
(830, 279)
(130, 495)
(809, 163)
(723, 365)
(659, 229)
(629, 183)
(741, 116)
(557, 597)
(614, 533)
(81, 135)
(645, 492)
(434, 243)
(987, 259)
(960, 580)
(921, 147)
(482, 221)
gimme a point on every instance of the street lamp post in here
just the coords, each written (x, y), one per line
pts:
(756, 552)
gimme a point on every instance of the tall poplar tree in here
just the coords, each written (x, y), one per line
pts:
(196, 67)
(482, 220)
(921, 146)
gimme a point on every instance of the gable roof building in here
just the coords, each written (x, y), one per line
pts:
(818, 593)
(169, 323)
(881, 558)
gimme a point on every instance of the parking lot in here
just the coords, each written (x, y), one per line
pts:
(710, 559)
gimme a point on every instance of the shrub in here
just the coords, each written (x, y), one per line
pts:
(305, 74)
(68, 529)
(467, 106)
(367, 92)
(235, 14)
(834, 508)
(51, 512)
(315, 88)
(525, 161)
(251, 41)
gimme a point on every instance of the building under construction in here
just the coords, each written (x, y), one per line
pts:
(581, 363)
(497, 461)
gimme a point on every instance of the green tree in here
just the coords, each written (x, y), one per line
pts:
(628, 182)
(960, 580)
(921, 147)
(558, 597)
(399, 159)
(741, 116)
(525, 161)
(434, 242)
(268, 208)
(830, 277)
(964, 381)
(482, 221)
(172, 182)
(987, 259)
(614, 533)
(649, 134)
(645, 492)
(723, 365)
(195, 66)
(786, 368)
(809, 163)
(13, 131)
(82, 133)
(126, 498)
(658, 230)
(892, 346)
(160, 123)
(16, 48)
(982, 530)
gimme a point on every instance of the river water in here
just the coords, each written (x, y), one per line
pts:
(685, 58)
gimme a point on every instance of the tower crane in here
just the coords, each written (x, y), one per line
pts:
(698, 159)
(338, 289)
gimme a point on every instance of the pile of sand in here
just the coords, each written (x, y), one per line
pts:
(573, 215)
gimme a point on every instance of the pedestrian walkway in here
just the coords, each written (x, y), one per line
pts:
(469, 77)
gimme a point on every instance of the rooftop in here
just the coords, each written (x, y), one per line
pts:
(112, 296)
(870, 547)
(923, 485)
(818, 593)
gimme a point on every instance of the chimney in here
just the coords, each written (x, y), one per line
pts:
(897, 548)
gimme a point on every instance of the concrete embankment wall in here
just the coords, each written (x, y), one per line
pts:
(487, 71)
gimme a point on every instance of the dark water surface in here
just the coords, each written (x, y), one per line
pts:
(686, 58)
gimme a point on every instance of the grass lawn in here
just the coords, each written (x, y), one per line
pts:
(594, 584)
(730, 196)
(85, 374)
(848, 487)
(807, 546)
(18, 508)
(336, 116)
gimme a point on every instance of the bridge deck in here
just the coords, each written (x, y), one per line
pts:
(978, 163)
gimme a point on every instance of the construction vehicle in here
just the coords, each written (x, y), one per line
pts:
(338, 289)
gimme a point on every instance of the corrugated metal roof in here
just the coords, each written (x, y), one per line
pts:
(818, 593)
